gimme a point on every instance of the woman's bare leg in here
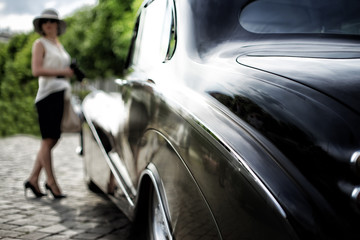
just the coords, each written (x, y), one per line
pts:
(34, 177)
(44, 160)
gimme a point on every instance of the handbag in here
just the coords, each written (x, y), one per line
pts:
(71, 121)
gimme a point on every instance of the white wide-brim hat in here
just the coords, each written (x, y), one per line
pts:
(49, 14)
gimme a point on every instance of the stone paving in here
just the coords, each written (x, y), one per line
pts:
(82, 215)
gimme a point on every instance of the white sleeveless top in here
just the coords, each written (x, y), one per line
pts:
(55, 57)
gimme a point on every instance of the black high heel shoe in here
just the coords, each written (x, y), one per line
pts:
(57, 196)
(27, 185)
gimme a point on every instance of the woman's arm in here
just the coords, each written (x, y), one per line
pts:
(37, 64)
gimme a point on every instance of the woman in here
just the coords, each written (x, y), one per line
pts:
(50, 62)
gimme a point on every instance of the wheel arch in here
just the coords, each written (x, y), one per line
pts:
(150, 179)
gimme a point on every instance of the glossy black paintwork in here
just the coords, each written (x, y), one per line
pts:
(250, 134)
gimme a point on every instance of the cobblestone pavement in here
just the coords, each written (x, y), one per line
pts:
(82, 215)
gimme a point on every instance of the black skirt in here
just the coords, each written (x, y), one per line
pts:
(50, 112)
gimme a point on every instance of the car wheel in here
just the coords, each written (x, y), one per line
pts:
(158, 226)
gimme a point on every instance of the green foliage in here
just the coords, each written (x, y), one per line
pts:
(3, 57)
(102, 46)
(97, 37)
(17, 87)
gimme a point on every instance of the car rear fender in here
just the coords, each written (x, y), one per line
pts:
(175, 186)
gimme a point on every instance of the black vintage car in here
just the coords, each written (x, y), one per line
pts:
(237, 119)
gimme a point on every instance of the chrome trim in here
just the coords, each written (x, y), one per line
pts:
(355, 194)
(355, 161)
(121, 81)
(147, 3)
(258, 180)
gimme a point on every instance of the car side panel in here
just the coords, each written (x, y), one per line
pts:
(96, 168)
(206, 187)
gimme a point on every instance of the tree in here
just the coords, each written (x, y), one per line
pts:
(101, 47)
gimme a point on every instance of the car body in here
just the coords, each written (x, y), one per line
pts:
(235, 120)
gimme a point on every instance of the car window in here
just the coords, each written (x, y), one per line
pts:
(169, 30)
(155, 37)
(150, 32)
(302, 16)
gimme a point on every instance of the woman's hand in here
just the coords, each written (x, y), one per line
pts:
(68, 72)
